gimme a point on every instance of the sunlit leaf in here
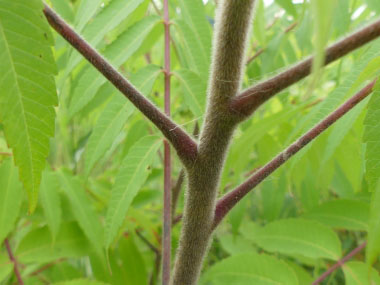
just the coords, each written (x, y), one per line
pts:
(250, 268)
(27, 88)
(356, 273)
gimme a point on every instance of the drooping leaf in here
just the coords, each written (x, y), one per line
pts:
(298, 236)
(50, 201)
(10, 197)
(117, 53)
(194, 91)
(356, 273)
(288, 6)
(252, 268)
(27, 88)
(132, 174)
(372, 138)
(82, 209)
(323, 16)
(38, 246)
(115, 115)
(109, 18)
(197, 34)
(373, 246)
(341, 214)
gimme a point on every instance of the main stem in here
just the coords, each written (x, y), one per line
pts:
(166, 256)
(231, 32)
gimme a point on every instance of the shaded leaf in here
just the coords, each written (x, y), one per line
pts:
(373, 246)
(131, 176)
(38, 246)
(50, 201)
(356, 273)
(82, 209)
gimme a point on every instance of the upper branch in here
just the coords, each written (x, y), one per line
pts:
(228, 201)
(185, 146)
(250, 99)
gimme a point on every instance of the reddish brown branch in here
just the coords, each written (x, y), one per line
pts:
(249, 100)
(14, 261)
(181, 141)
(226, 203)
(167, 225)
(340, 263)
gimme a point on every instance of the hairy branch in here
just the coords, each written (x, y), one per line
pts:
(252, 98)
(14, 261)
(232, 26)
(185, 146)
(167, 225)
(340, 263)
(226, 203)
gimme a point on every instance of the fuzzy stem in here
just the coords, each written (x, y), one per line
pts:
(181, 141)
(232, 27)
(228, 201)
(340, 263)
(166, 249)
(250, 99)
(14, 261)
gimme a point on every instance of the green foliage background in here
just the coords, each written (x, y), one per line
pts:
(85, 179)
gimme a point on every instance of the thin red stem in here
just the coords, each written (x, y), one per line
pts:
(228, 201)
(340, 263)
(166, 251)
(186, 147)
(14, 261)
(250, 99)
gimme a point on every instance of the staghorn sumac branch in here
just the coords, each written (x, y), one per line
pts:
(252, 98)
(185, 146)
(167, 223)
(14, 261)
(228, 201)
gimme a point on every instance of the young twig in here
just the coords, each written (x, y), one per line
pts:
(340, 263)
(181, 141)
(14, 261)
(167, 225)
(228, 201)
(250, 99)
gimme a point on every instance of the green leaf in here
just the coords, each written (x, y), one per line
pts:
(250, 268)
(10, 198)
(373, 246)
(372, 138)
(86, 10)
(341, 214)
(108, 19)
(80, 282)
(297, 236)
(117, 53)
(374, 5)
(133, 261)
(288, 6)
(64, 9)
(302, 275)
(259, 25)
(6, 267)
(112, 120)
(323, 11)
(27, 88)
(197, 34)
(50, 201)
(38, 245)
(356, 273)
(195, 91)
(82, 209)
(132, 175)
